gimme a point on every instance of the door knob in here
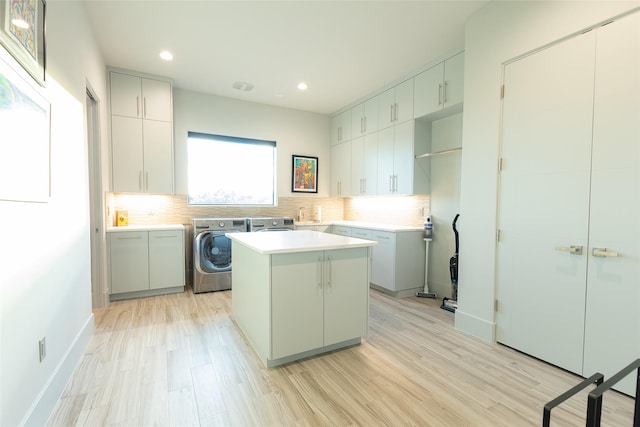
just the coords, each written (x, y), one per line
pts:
(573, 249)
(604, 252)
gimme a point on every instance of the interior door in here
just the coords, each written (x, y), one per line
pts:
(544, 202)
(612, 335)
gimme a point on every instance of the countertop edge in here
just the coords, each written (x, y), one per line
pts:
(146, 227)
(302, 246)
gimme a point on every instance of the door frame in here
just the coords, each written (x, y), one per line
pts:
(99, 292)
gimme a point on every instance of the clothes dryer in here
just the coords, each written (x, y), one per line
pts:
(212, 252)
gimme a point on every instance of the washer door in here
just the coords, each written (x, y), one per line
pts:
(213, 252)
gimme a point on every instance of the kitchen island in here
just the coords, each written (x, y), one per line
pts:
(300, 293)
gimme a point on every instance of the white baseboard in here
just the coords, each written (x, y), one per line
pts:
(46, 401)
(475, 326)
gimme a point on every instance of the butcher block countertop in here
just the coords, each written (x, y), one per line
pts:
(281, 242)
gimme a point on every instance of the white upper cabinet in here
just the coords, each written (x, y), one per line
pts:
(395, 105)
(364, 165)
(139, 97)
(341, 170)
(341, 127)
(141, 134)
(439, 87)
(364, 118)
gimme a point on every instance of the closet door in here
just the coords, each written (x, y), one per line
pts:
(544, 202)
(612, 330)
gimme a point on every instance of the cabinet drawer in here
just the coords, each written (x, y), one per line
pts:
(361, 233)
(342, 231)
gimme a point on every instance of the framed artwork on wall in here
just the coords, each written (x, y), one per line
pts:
(24, 136)
(22, 33)
(304, 174)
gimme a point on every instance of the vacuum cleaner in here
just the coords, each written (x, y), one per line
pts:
(428, 234)
(451, 304)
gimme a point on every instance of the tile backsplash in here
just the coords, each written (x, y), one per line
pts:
(173, 209)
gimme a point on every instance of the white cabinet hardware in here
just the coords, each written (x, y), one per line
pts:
(604, 253)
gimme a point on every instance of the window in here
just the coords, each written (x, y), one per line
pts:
(225, 170)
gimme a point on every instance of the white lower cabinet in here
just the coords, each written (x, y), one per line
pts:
(129, 261)
(319, 309)
(146, 262)
(397, 261)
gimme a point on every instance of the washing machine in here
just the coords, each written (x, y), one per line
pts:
(275, 223)
(212, 261)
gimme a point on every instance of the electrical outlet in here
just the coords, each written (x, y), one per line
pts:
(42, 345)
(421, 211)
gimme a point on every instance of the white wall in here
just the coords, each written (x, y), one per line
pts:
(495, 34)
(296, 132)
(445, 200)
(45, 274)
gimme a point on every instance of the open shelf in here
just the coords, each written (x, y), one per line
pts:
(438, 153)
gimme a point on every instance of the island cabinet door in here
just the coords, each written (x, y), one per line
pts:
(296, 303)
(346, 294)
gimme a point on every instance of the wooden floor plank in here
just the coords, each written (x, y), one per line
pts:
(180, 360)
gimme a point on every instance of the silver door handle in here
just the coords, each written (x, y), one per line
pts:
(604, 252)
(574, 250)
(440, 94)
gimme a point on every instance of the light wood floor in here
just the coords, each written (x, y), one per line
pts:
(179, 360)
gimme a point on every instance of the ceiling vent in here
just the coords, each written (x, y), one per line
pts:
(243, 86)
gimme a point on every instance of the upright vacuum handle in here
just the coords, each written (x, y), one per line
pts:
(455, 232)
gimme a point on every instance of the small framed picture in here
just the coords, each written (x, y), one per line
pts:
(22, 33)
(304, 174)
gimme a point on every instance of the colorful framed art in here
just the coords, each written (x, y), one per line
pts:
(304, 174)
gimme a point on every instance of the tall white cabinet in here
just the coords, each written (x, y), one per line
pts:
(569, 218)
(141, 133)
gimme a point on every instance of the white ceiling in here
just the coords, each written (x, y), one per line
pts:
(343, 50)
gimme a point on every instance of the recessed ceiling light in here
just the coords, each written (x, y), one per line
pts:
(302, 86)
(243, 86)
(166, 55)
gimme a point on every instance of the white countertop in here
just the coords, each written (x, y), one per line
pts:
(145, 227)
(280, 242)
(377, 226)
